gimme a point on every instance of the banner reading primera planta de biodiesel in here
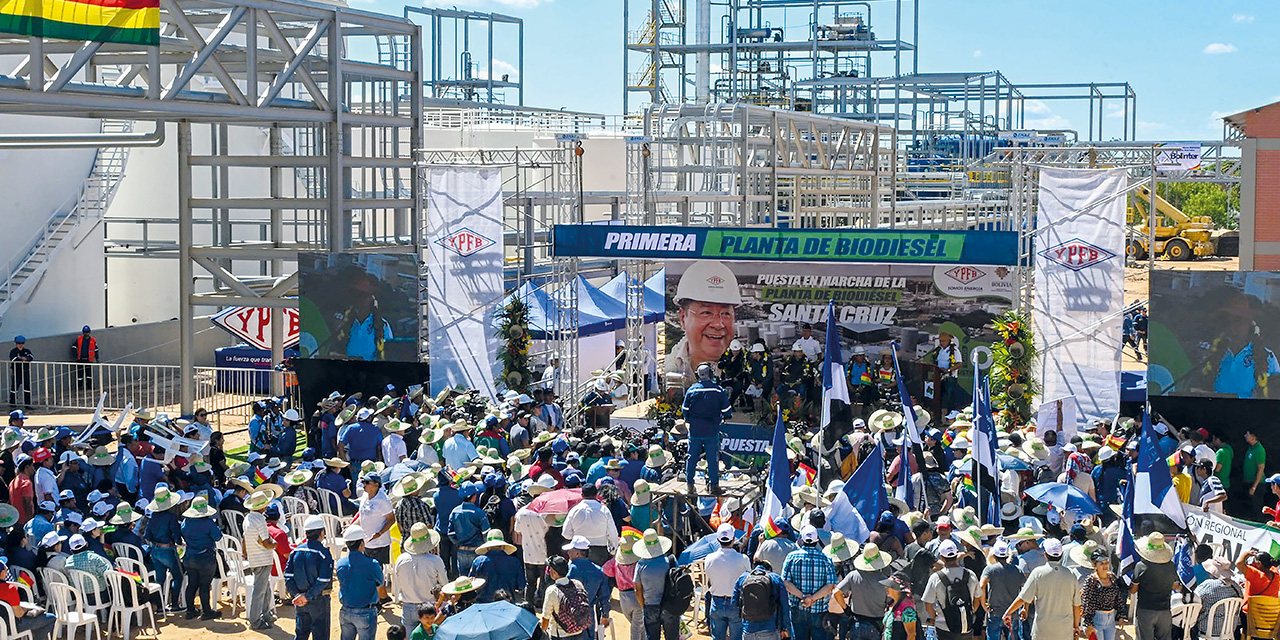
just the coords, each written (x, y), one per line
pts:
(884, 246)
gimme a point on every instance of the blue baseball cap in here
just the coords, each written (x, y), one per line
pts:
(17, 415)
(573, 480)
(469, 489)
(20, 339)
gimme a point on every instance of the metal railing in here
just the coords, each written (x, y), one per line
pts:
(74, 387)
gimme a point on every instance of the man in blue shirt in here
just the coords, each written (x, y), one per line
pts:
(467, 525)
(308, 577)
(592, 578)
(705, 406)
(359, 578)
(259, 428)
(447, 499)
(360, 440)
(329, 429)
(498, 566)
(151, 473)
(779, 624)
(164, 533)
(202, 536)
(124, 470)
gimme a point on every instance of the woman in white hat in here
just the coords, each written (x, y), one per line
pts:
(419, 572)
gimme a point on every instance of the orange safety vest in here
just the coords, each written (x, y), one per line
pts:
(92, 355)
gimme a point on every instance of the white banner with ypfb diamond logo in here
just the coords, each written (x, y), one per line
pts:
(464, 273)
(1079, 286)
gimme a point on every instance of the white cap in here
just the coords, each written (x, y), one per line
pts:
(809, 534)
(948, 549)
(578, 542)
(621, 343)
(77, 542)
(101, 508)
(1052, 547)
(315, 523)
(90, 524)
(364, 414)
(292, 415)
(51, 539)
(353, 534)
(1106, 453)
(726, 533)
(1001, 549)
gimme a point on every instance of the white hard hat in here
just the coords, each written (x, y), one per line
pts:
(757, 348)
(315, 523)
(353, 534)
(708, 281)
(735, 345)
(292, 415)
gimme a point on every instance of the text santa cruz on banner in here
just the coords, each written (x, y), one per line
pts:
(788, 245)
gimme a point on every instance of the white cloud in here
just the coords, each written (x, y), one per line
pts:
(1049, 122)
(1219, 48)
(516, 4)
(1036, 106)
(977, 53)
(1240, 17)
(500, 68)
(1117, 112)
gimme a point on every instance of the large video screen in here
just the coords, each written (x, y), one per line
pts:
(359, 306)
(711, 304)
(1214, 333)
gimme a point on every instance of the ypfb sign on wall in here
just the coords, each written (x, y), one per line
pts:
(253, 325)
(788, 245)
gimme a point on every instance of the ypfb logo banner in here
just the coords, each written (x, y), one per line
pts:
(1076, 254)
(465, 242)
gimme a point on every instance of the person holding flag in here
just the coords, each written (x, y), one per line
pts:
(862, 382)
(705, 407)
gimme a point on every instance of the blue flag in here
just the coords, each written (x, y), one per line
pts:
(1153, 483)
(908, 407)
(859, 504)
(986, 466)
(834, 384)
(778, 488)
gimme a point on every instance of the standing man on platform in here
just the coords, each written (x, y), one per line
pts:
(706, 405)
(84, 350)
(20, 358)
(949, 359)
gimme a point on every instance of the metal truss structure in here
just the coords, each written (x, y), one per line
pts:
(453, 71)
(741, 165)
(339, 130)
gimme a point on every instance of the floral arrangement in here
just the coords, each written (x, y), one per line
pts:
(513, 329)
(1013, 387)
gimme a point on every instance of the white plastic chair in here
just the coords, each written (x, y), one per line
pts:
(85, 583)
(291, 505)
(126, 550)
(1186, 616)
(148, 578)
(231, 578)
(333, 526)
(49, 575)
(297, 523)
(11, 624)
(68, 607)
(330, 502)
(18, 573)
(1229, 608)
(120, 616)
(277, 578)
(232, 523)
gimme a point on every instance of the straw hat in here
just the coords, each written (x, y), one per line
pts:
(657, 457)
(641, 494)
(988, 530)
(1025, 533)
(464, 584)
(841, 549)
(422, 539)
(964, 518)
(371, 466)
(1082, 554)
(101, 457)
(1010, 506)
(1035, 448)
(625, 556)
(124, 514)
(542, 485)
(922, 417)
(45, 433)
(409, 485)
(494, 540)
(885, 420)
(395, 426)
(164, 500)
(257, 501)
(200, 508)
(8, 515)
(274, 489)
(336, 463)
(651, 545)
(871, 558)
(239, 469)
(1153, 548)
(971, 536)
(298, 477)
(243, 483)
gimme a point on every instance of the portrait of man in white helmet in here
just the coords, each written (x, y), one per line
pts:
(707, 295)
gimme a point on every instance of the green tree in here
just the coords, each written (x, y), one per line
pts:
(1221, 203)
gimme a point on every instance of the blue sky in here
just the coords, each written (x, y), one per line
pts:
(1189, 62)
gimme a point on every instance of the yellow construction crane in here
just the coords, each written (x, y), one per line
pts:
(1178, 236)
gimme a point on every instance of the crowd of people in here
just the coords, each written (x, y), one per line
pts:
(419, 508)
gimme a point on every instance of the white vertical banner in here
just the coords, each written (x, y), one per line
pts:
(465, 257)
(1079, 286)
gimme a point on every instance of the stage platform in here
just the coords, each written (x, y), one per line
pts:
(741, 488)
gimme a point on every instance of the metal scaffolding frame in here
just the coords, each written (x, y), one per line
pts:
(449, 41)
(339, 129)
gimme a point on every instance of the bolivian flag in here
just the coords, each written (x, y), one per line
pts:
(122, 21)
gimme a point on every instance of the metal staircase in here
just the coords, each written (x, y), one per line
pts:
(24, 272)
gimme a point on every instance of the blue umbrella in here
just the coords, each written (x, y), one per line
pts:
(705, 546)
(489, 621)
(1012, 463)
(1066, 497)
